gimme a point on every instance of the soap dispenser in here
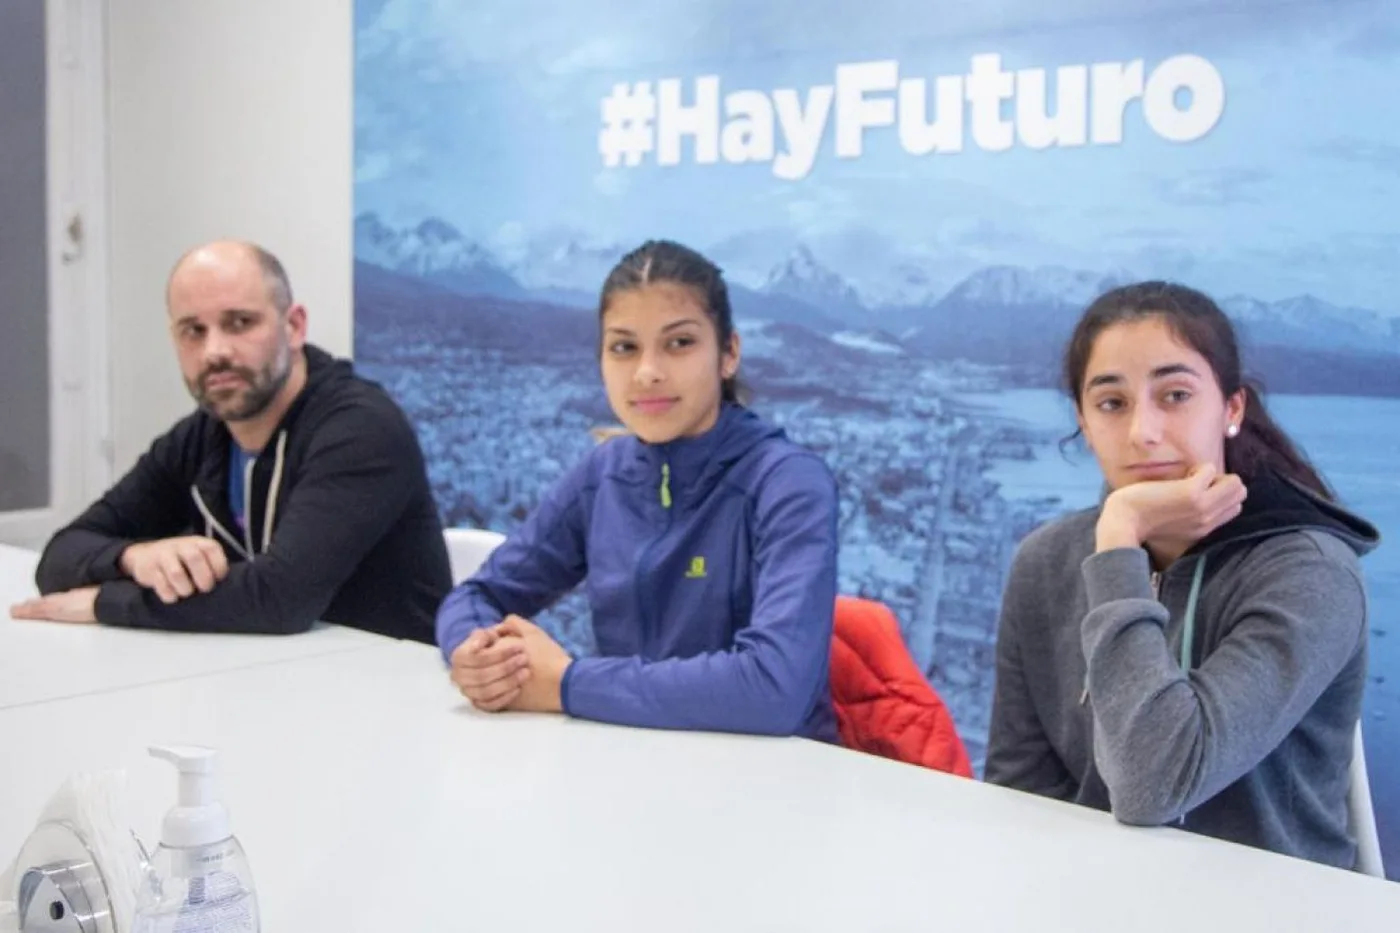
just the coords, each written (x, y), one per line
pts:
(198, 880)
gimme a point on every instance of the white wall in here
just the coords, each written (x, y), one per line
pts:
(225, 119)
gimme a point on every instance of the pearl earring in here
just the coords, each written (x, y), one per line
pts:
(1232, 430)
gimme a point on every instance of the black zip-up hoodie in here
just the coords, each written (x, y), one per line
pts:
(342, 526)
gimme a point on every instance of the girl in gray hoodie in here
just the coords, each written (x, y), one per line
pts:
(1191, 651)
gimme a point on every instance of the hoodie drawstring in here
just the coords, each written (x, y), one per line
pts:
(248, 485)
(1188, 625)
(1188, 628)
(212, 525)
(271, 511)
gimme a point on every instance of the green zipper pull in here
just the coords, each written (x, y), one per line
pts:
(665, 485)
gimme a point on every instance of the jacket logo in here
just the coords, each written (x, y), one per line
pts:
(697, 568)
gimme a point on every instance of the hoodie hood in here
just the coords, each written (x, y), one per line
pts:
(322, 370)
(1276, 504)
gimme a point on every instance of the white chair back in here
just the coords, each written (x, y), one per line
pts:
(468, 548)
(1362, 814)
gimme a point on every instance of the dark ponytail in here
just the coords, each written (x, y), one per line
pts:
(666, 261)
(1197, 321)
(1262, 444)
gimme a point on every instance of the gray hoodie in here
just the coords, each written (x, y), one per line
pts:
(1221, 696)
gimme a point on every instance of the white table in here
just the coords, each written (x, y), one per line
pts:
(364, 774)
(46, 661)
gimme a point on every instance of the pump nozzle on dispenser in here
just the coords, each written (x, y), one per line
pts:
(198, 819)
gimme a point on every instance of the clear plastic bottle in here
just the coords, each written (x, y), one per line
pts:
(198, 881)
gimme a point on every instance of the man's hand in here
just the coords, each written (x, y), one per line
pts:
(176, 568)
(73, 606)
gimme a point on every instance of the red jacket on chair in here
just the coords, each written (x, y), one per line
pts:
(883, 704)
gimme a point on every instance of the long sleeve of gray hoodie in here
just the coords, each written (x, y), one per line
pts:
(1251, 738)
(1167, 739)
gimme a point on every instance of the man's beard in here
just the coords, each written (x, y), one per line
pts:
(260, 388)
